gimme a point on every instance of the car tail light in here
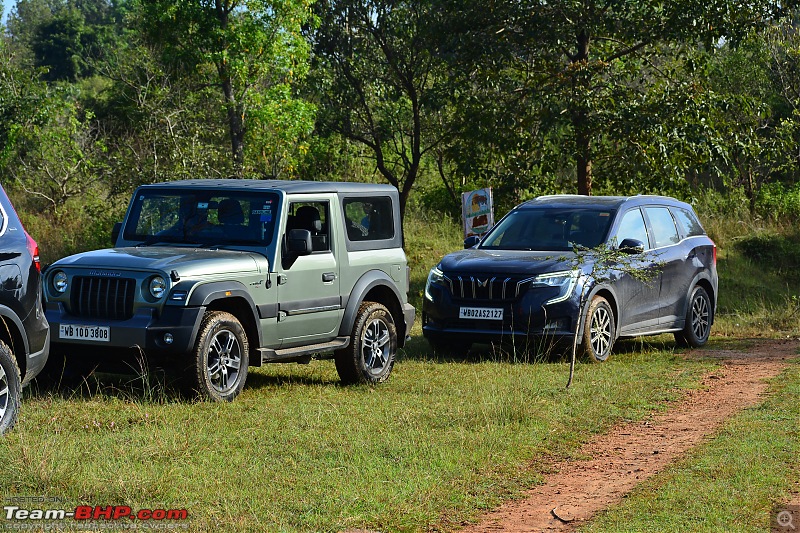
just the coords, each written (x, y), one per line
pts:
(715, 252)
(33, 248)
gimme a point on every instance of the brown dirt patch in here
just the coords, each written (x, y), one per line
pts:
(631, 453)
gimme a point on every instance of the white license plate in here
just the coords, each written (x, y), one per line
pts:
(84, 333)
(481, 313)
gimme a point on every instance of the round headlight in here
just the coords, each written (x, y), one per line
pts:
(158, 287)
(60, 281)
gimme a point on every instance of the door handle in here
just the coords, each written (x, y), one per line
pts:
(327, 277)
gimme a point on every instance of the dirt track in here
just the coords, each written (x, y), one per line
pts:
(630, 453)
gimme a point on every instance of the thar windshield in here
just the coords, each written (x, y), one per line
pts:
(202, 217)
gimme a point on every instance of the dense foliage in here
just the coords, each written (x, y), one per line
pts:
(435, 97)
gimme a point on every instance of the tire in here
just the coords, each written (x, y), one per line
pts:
(450, 348)
(599, 331)
(373, 344)
(10, 388)
(220, 357)
(698, 320)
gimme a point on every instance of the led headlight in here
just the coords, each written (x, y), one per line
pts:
(60, 281)
(565, 280)
(435, 276)
(157, 287)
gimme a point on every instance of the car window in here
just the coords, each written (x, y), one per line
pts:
(632, 227)
(688, 222)
(311, 216)
(369, 218)
(663, 226)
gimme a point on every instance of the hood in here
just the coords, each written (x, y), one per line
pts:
(189, 262)
(506, 262)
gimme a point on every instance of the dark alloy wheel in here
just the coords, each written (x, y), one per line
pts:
(698, 320)
(598, 331)
(373, 344)
(220, 357)
(9, 388)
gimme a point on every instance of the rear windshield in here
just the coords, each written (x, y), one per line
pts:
(202, 217)
(550, 229)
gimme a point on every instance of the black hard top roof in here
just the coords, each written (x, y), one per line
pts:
(601, 202)
(289, 186)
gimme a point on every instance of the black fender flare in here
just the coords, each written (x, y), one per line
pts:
(206, 293)
(368, 281)
(8, 313)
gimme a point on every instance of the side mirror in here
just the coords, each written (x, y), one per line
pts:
(298, 242)
(471, 241)
(631, 246)
(115, 233)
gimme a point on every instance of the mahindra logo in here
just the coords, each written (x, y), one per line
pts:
(483, 283)
(105, 273)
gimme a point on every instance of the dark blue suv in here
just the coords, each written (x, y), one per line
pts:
(24, 333)
(534, 272)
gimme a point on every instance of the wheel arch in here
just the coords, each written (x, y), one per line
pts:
(231, 297)
(608, 293)
(12, 333)
(374, 286)
(709, 288)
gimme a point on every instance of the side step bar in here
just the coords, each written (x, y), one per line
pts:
(302, 354)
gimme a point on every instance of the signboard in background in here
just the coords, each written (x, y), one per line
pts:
(477, 212)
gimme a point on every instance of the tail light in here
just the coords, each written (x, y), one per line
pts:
(715, 252)
(33, 248)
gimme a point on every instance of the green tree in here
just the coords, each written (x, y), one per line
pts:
(381, 83)
(253, 51)
(586, 59)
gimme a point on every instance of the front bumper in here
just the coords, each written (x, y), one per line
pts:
(523, 317)
(144, 330)
(409, 314)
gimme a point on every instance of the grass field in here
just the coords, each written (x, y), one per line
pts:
(296, 451)
(435, 446)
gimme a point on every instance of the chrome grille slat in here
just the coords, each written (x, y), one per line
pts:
(94, 297)
(488, 287)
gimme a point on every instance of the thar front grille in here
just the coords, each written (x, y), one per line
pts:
(110, 298)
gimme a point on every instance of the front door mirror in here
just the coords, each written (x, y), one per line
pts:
(471, 241)
(115, 233)
(631, 246)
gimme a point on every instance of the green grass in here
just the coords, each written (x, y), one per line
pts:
(297, 452)
(759, 278)
(732, 483)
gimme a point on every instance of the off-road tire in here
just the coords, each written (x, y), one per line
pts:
(369, 357)
(10, 388)
(599, 331)
(220, 357)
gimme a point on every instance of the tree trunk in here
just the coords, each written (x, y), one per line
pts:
(580, 122)
(235, 123)
(583, 158)
(234, 109)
